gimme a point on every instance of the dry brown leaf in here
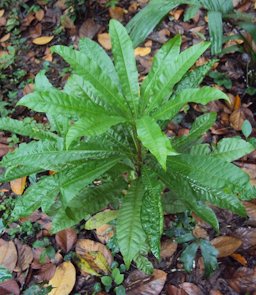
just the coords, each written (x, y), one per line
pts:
(85, 246)
(4, 149)
(239, 258)
(104, 233)
(5, 38)
(116, 13)
(89, 29)
(138, 283)
(28, 89)
(250, 210)
(191, 289)
(45, 273)
(1, 12)
(9, 287)
(25, 256)
(64, 279)
(247, 235)
(2, 21)
(28, 19)
(43, 40)
(104, 40)
(66, 239)
(168, 248)
(142, 51)
(67, 22)
(18, 185)
(244, 280)
(39, 14)
(226, 245)
(173, 290)
(8, 254)
(177, 13)
(237, 119)
(36, 31)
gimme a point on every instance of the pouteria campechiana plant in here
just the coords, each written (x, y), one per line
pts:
(105, 126)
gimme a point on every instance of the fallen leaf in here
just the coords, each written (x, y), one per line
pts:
(200, 233)
(5, 38)
(247, 235)
(45, 273)
(237, 119)
(239, 258)
(89, 29)
(95, 254)
(35, 31)
(191, 289)
(2, 21)
(25, 256)
(104, 41)
(28, 89)
(173, 290)
(64, 279)
(100, 219)
(116, 13)
(43, 40)
(139, 283)
(237, 103)
(251, 211)
(8, 254)
(142, 51)
(67, 22)
(9, 287)
(226, 245)
(104, 233)
(176, 13)
(66, 239)
(18, 185)
(4, 149)
(168, 248)
(39, 14)
(1, 12)
(243, 280)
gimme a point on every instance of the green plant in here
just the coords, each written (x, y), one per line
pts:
(157, 9)
(48, 250)
(105, 127)
(114, 281)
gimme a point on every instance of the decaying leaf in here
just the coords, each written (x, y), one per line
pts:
(104, 40)
(43, 40)
(251, 211)
(191, 289)
(226, 245)
(138, 283)
(45, 273)
(9, 287)
(173, 290)
(25, 256)
(66, 239)
(104, 233)
(64, 279)
(116, 13)
(89, 29)
(18, 185)
(8, 254)
(168, 248)
(95, 254)
(247, 235)
(244, 280)
(239, 258)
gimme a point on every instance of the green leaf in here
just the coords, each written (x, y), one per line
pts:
(18, 172)
(154, 140)
(191, 12)
(144, 264)
(117, 276)
(247, 128)
(100, 219)
(125, 63)
(199, 95)
(172, 73)
(209, 254)
(199, 127)
(216, 31)
(33, 130)
(200, 149)
(152, 211)
(139, 29)
(130, 235)
(41, 82)
(120, 290)
(106, 281)
(91, 126)
(4, 274)
(231, 149)
(95, 77)
(188, 256)
(165, 55)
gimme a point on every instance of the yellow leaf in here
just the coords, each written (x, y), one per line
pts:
(64, 279)
(142, 51)
(104, 40)
(1, 12)
(43, 40)
(18, 185)
(85, 267)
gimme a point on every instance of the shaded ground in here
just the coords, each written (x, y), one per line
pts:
(20, 24)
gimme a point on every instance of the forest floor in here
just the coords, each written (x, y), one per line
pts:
(27, 31)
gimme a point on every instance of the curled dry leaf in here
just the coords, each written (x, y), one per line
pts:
(247, 235)
(191, 289)
(43, 40)
(104, 40)
(9, 287)
(93, 257)
(142, 51)
(64, 279)
(244, 280)
(138, 283)
(226, 245)
(66, 239)
(168, 248)
(25, 256)
(18, 185)
(8, 254)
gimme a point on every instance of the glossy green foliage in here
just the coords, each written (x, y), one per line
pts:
(104, 145)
